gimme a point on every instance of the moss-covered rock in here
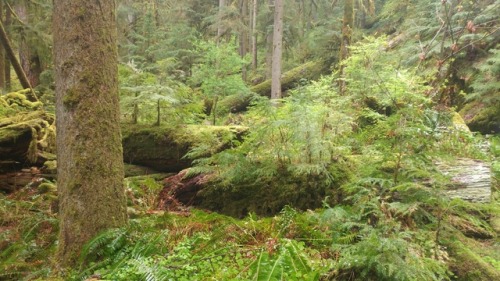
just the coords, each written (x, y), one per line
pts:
(480, 117)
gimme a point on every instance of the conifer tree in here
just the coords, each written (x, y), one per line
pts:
(89, 150)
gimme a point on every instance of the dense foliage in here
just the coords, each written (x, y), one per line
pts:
(324, 184)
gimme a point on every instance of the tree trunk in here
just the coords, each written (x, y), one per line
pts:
(15, 63)
(347, 26)
(220, 28)
(89, 149)
(255, 6)
(269, 44)
(8, 84)
(30, 61)
(2, 58)
(277, 50)
(244, 36)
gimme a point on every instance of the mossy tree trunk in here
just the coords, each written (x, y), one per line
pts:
(89, 150)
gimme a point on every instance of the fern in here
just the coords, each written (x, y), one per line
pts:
(288, 263)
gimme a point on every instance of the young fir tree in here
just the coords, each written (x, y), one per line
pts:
(89, 150)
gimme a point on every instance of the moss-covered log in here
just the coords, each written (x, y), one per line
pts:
(163, 148)
(480, 117)
(467, 263)
(307, 71)
(27, 137)
(240, 102)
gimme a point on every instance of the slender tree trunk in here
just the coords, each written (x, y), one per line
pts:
(135, 112)
(8, 83)
(347, 26)
(220, 27)
(277, 50)
(30, 61)
(158, 113)
(17, 66)
(255, 6)
(2, 57)
(269, 43)
(244, 36)
(89, 149)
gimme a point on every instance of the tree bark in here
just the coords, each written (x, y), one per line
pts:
(220, 28)
(269, 43)
(277, 50)
(30, 61)
(255, 5)
(8, 84)
(89, 149)
(15, 63)
(2, 57)
(244, 38)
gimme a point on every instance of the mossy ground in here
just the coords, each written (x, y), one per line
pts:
(29, 224)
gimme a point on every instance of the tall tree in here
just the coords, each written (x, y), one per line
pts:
(244, 35)
(2, 57)
(89, 150)
(8, 84)
(277, 50)
(28, 55)
(255, 8)
(220, 26)
(13, 59)
(347, 26)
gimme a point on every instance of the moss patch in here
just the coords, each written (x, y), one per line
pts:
(163, 148)
(481, 117)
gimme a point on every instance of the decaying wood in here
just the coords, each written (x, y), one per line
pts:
(15, 180)
(471, 179)
(163, 148)
(179, 192)
(27, 138)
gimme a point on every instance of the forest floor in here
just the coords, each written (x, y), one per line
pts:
(200, 245)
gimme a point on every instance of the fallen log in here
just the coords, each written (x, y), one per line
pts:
(12, 181)
(308, 71)
(27, 138)
(239, 102)
(163, 148)
(470, 179)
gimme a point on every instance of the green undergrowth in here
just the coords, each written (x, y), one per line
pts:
(379, 232)
(28, 232)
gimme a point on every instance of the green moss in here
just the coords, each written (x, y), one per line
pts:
(163, 148)
(467, 263)
(71, 98)
(482, 117)
(46, 187)
(307, 71)
(50, 166)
